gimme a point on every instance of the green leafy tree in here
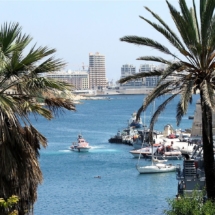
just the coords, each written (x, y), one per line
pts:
(193, 71)
(22, 83)
(9, 204)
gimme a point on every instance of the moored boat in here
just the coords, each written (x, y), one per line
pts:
(81, 145)
(156, 168)
(145, 150)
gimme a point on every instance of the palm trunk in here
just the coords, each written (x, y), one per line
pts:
(208, 154)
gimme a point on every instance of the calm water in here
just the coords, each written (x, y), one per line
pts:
(69, 186)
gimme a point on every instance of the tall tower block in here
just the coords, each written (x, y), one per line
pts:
(97, 73)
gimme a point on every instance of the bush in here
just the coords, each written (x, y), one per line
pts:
(8, 205)
(195, 204)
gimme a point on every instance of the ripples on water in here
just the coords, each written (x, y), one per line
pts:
(70, 185)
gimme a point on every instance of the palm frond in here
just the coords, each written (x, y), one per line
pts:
(36, 55)
(211, 41)
(158, 112)
(55, 104)
(186, 95)
(206, 15)
(8, 34)
(140, 75)
(155, 59)
(170, 70)
(188, 17)
(166, 34)
(36, 109)
(166, 26)
(147, 42)
(34, 134)
(187, 33)
(208, 94)
(154, 94)
(50, 65)
(195, 22)
(42, 83)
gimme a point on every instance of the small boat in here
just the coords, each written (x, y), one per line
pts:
(81, 145)
(167, 152)
(145, 150)
(156, 168)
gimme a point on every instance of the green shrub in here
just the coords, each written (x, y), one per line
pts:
(8, 205)
(194, 204)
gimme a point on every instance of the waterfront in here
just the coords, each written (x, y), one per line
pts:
(70, 186)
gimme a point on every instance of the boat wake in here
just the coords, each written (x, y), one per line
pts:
(64, 151)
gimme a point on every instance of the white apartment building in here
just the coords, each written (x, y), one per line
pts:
(79, 79)
(127, 70)
(97, 71)
(149, 81)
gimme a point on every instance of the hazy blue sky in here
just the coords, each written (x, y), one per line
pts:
(76, 28)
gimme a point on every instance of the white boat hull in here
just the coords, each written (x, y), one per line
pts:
(81, 149)
(158, 168)
(160, 157)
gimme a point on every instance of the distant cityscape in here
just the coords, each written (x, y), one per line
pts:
(94, 78)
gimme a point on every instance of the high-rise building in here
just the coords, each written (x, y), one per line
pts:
(97, 73)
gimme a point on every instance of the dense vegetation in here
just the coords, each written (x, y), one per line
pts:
(193, 69)
(22, 83)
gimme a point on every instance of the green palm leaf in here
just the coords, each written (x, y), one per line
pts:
(140, 75)
(146, 42)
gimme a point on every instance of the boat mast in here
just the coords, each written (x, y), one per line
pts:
(153, 110)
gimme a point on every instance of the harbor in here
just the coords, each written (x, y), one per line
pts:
(71, 178)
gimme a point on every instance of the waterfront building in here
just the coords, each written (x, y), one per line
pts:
(127, 70)
(97, 71)
(79, 79)
(149, 81)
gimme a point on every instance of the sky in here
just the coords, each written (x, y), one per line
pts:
(77, 28)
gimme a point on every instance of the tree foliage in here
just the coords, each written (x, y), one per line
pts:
(191, 205)
(192, 71)
(22, 83)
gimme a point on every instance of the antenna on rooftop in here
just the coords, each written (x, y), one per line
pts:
(83, 65)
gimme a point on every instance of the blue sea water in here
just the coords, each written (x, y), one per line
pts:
(70, 186)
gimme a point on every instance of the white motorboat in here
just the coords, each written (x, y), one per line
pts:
(167, 152)
(81, 145)
(145, 150)
(156, 168)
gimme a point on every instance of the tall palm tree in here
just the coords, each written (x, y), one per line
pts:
(194, 70)
(22, 83)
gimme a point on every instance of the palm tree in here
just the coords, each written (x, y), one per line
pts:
(22, 83)
(193, 70)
